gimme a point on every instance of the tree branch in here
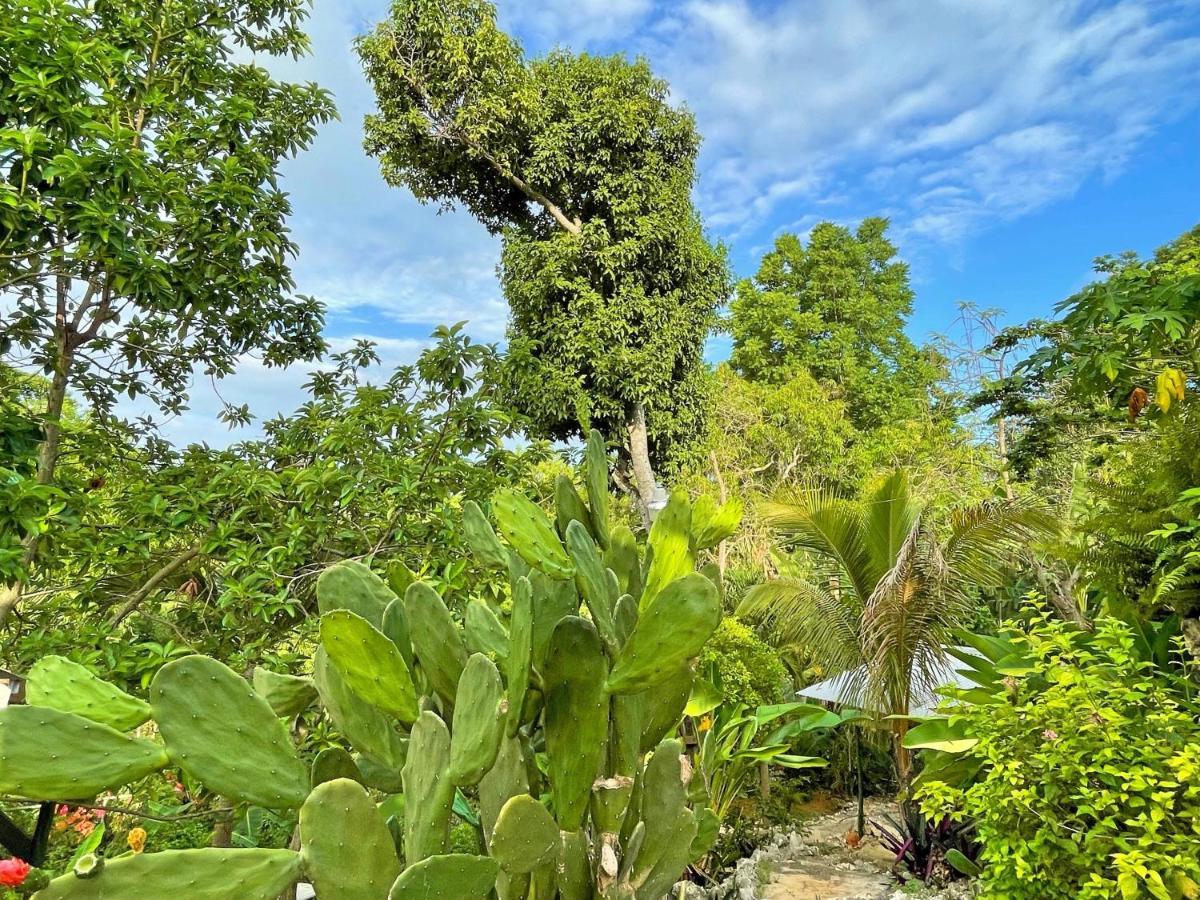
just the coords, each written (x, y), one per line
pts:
(153, 582)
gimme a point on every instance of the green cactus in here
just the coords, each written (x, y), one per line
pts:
(205, 874)
(364, 726)
(670, 631)
(46, 754)
(478, 721)
(370, 663)
(345, 846)
(596, 482)
(352, 586)
(484, 632)
(518, 662)
(220, 732)
(428, 790)
(576, 717)
(569, 507)
(436, 639)
(333, 763)
(543, 711)
(481, 538)
(525, 836)
(457, 875)
(530, 533)
(59, 683)
(288, 695)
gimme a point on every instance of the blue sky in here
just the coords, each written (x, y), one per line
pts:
(1010, 142)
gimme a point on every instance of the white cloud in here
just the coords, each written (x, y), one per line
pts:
(1006, 106)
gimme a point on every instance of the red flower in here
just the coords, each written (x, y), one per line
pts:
(13, 872)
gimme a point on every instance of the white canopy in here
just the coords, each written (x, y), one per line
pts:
(842, 689)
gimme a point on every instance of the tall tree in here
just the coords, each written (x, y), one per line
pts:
(836, 307)
(142, 227)
(586, 170)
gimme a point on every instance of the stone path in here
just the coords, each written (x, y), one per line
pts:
(825, 868)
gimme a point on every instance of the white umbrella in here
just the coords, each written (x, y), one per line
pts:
(842, 689)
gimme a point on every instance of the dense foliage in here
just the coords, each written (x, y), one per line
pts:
(844, 502)
(1089, 759)
(143, 229)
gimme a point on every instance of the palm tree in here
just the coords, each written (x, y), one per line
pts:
(886, 587)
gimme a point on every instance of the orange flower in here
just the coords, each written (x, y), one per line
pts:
(137, 840)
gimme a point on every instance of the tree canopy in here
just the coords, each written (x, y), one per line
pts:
(586, 170)
(837, 307)
(143, 232)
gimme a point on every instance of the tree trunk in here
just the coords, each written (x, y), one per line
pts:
(639, 454)
(222, 833)
(764, 780)
(48, 453)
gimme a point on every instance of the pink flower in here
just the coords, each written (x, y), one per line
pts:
(1050, 735)
(13, 872)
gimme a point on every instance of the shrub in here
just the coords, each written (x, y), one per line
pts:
(751, 672)
(1089, 786)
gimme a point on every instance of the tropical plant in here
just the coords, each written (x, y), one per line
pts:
(889, 587)
(584, 167)
(930, 850)
(736, 742)
(1078, 765)
(582, 698)
(142, 226)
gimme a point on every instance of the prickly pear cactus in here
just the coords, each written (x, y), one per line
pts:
(547, 720)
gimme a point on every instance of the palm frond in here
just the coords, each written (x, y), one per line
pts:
(889, 515)
(824, 522)
(985, 536)
(802, 614)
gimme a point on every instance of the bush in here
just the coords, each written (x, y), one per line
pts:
(750, 671)
(1090, 785)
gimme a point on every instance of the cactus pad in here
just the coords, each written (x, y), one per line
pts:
(530, 533)
(670, 547)
(206, 874)
(46, 754)
(596, 481)
(59, 683)
(460, 876)
(436, 639)
(353, 586)
(369, 663)
(428, 790)
(520, 652)
(484, 631)
(478, 721)
(597, 585)
(482, 539)
(569, 507)
(576, 717)
(345, 845)
(288, 695)
(363, 725)
(333, 763)
(220, 732)
(525, 836)
(670, 631)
